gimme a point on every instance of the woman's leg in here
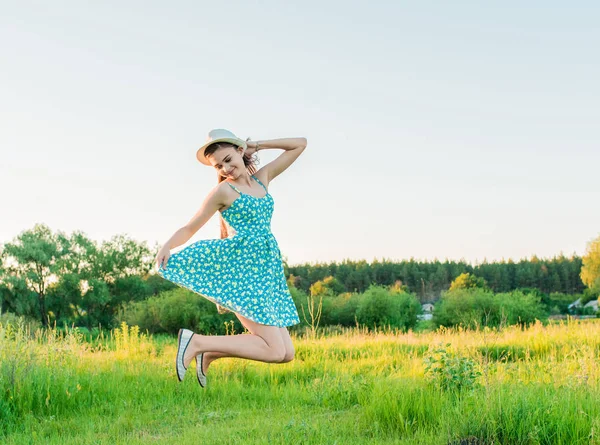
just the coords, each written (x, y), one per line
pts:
(264, 344)
(289, 346)
(210, 357)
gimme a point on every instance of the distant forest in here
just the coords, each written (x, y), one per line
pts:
(428, 279)
(55, 277)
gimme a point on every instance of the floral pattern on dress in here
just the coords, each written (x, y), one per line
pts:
(243, 272)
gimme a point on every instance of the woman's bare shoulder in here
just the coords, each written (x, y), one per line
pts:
(222, 193)
(262, 176)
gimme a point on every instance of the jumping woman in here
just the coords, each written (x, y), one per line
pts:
(242, 272)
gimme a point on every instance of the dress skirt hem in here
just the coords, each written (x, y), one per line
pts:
(237, 309)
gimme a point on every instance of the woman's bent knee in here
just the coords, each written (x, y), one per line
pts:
(278, 355)
(287, 358)
(289, 355)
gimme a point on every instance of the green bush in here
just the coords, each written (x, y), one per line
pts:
(343, 309)
(174, 309)
(558, 302)
(450, 371)
(520, 308)
(300, 299)
(467, 307)
(380, 307)
(336, 309)
(339, 309)
(475, 307)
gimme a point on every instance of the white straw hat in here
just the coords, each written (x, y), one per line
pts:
(219, 135)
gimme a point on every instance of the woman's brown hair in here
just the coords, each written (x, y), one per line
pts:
(250, 162)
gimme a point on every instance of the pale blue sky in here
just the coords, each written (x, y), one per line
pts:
(435, 129)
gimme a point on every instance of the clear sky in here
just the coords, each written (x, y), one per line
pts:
(435, 129)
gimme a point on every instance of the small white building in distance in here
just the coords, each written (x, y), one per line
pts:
(593, 304)
(427, 307)
(577, 303)
(427, 312)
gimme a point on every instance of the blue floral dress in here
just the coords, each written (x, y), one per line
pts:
(243, 272)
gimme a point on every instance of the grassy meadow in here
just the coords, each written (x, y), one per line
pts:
(538, 385)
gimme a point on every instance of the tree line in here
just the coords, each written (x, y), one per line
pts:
(60, 278)
(428, 280)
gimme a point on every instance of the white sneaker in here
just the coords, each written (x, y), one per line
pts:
(199, 371)
(183, 340)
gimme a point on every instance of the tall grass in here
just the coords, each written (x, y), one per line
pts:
(538, 385)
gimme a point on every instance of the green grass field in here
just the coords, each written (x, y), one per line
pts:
(534, 386)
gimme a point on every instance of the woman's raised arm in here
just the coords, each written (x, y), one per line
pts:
(293, 148)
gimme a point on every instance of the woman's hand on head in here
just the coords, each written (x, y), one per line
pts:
(162, 257)
(251, 147)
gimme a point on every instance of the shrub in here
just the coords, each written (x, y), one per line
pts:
(519, 308)
(558, 302)
(342, 309)
(449, 371)
(336, 309)
(467, 307)
(475, 307)
(378, 307)
(174, 309)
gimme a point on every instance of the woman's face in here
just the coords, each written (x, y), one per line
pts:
(228, 161)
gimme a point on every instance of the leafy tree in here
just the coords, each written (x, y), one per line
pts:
(55, 277)
(329, 286)
(468, 281)
(31, 264)
(590, 271)
(429, 279)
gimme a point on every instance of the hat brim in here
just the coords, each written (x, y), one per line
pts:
(200, 153)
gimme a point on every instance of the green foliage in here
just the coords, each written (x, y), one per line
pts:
(558, 302)
(590, 270)
(57, 388)
(520, 308)
(378, 307)
(589, 295)
(450, 371)
(69, 279)
(35, 255)
(341, 309)
(17, 297)
(26, 323)
(329, 286)
(466, 307)
(474, 308)
(174, 309)
(429, 279)
(298, 296)
(302, 301)
(468, 281)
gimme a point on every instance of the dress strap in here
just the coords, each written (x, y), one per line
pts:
(234, 187)
(258, 180)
